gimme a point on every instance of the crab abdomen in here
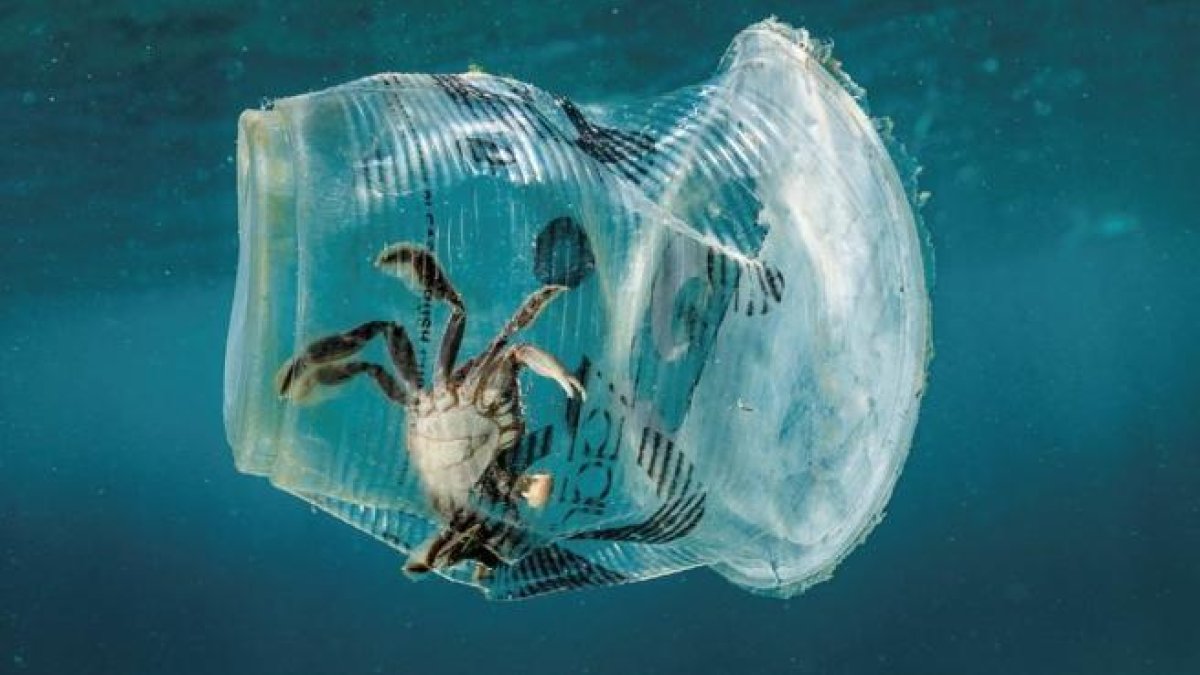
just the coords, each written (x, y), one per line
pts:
(452, 448)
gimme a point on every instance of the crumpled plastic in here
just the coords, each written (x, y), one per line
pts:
(741, 298)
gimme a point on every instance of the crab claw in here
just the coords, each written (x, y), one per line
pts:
(536, 489)
(547, 366)
(572, 387)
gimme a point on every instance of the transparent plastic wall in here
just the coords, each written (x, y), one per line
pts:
(737, 287)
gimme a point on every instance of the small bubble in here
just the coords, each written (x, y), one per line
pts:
(28, 98)
(990, 65)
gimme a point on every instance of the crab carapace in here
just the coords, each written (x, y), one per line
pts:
(460, 432)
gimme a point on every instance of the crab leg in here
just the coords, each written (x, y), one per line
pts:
(525, 315)
(337, 347)
(420, 270)
(451, 342)
(462, 539)
(338, 373)
(421, 559)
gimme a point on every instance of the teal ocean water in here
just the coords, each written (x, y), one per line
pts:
(1048, 517)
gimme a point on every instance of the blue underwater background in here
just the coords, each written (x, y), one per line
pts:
(1047, 521)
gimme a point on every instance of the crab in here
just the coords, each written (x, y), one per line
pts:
(459, 433)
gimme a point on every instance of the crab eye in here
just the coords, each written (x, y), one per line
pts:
(620, 341)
